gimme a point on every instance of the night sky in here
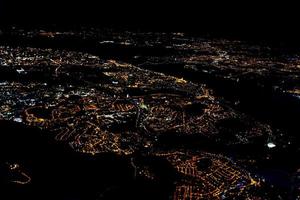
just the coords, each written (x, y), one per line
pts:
(246, 20)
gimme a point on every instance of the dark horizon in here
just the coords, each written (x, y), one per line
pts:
(246, 21)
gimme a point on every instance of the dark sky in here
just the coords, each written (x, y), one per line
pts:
(130, 12)
(251, 20)
(109, 11)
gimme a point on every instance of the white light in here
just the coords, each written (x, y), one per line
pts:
(18, 119)
(271, 145)
(107, 42)
(20, 70)
(3, 83)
